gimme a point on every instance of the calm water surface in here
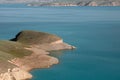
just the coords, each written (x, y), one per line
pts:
(95, 31)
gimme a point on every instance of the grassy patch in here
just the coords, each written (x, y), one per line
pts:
(13, 49)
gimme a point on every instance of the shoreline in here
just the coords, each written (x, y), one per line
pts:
(38, 44)
(24, 69)
(37, 60)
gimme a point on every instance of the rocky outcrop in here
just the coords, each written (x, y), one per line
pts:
(15, 74)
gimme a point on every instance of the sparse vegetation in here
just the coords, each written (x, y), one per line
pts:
(10, 50)
(32, 37)
(15, 48)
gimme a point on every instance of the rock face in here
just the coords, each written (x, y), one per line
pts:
(27, 51)
(15, 74)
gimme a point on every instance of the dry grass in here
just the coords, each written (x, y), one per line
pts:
(33, 37)
(8, 51)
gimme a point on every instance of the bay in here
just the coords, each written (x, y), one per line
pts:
(95, 31)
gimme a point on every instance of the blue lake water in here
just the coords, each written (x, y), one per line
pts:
(95, 31)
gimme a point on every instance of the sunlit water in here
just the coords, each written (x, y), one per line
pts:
(95, 31)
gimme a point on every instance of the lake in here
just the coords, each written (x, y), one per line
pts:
(95, 31)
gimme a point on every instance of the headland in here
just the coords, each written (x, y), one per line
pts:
(28, 50)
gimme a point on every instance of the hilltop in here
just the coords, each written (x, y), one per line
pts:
(30, 37)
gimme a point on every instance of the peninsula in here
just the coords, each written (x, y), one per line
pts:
(27, 51)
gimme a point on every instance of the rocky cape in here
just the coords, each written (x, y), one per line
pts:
(27, 51)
